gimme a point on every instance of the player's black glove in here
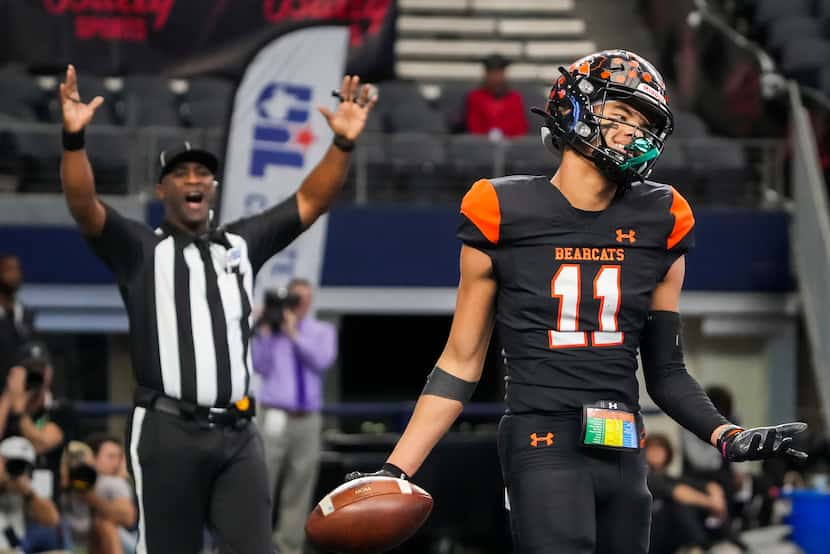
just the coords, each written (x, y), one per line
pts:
(740, 445)
(387, 470)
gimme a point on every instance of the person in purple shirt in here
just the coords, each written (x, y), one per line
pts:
(290, 358)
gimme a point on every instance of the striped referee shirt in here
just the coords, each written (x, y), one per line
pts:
(188, 298)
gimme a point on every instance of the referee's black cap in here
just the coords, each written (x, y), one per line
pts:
(186, 152)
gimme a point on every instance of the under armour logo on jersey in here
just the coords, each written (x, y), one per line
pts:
(630, 235)
(613, 405)
(545, 440)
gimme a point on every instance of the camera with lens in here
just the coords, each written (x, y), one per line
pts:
(19, 456)
(34, 358)
(76, 462)
(277, 300)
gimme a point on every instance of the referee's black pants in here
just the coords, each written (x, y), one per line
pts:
(188, 476)
(568, 499)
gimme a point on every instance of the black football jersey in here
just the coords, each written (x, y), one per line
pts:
(574, 287)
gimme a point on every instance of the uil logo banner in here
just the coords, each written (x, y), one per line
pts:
(277, 136)
(282, 134)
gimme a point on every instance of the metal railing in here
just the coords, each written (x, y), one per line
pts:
(431, 168)
(811, 243)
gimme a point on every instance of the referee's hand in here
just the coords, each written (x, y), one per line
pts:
(350, 118)
(76, 113)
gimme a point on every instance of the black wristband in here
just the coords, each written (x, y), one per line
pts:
(73, 141)
(396, 471)
(343, 144)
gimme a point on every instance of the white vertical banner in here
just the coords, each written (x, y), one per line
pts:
(277, 136)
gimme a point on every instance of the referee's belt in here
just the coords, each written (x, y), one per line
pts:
(237, 415)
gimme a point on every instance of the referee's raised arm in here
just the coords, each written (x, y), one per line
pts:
(321, 185)
(76, 172)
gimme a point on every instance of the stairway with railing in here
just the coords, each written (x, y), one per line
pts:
(810, 238)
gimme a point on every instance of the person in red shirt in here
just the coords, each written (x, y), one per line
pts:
(493, 107)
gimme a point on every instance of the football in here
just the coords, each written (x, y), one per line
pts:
(370, 514)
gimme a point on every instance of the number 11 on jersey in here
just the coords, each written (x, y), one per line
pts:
(566, 286)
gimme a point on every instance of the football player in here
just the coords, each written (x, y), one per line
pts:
(577, 272)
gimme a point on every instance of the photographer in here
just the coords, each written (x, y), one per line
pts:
(19, 504)
(96, 501)
(16, 321)
(26, 401)
(290, 352)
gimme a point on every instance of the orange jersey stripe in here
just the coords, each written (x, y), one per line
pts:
(683, 219)
(481, 206)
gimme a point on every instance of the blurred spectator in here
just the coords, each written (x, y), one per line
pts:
(20, 505)
(494, 109)
(290, 351)
(97, 501)
(28, 409)
(109, 456)
(15, 319)
(681, 509)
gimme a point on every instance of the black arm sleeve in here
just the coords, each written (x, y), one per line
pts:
(270, 231)
(668, 383)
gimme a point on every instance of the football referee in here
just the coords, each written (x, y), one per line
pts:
(195, 457)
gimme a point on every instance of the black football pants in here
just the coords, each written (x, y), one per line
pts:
(190, 477)
(568, 499)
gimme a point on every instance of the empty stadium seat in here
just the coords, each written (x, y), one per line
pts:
(783, 30)
(414, 162)
(769, 11)
(824, 80)
(20, 96)
(208, 102)
(721, 170)
(470, 158)
(688, 125)
(109, 150)
(405, 109)
(672, 166)
(150, 101)
(801, 59)
(452, 104)
(528, 156)
(40, 152)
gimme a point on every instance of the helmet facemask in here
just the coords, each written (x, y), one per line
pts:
(575, 116)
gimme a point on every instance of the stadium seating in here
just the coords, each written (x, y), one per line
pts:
(801, 59)
(150, 100)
